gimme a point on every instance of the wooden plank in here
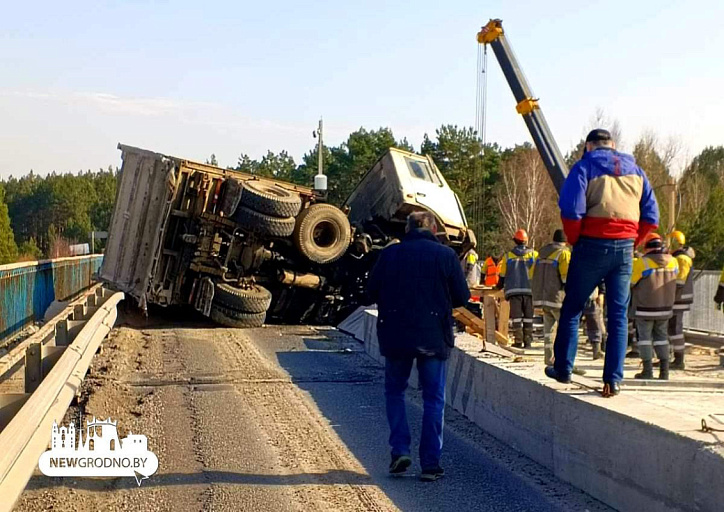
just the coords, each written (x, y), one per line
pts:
(489, 315)
(503, 318)
(467, 317)
(471, 321)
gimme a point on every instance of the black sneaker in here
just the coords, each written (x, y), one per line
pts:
(553, 374)
(400, 464)
(432, 474)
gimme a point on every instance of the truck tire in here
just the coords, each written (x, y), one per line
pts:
(255, 299)
(261, 223)
(232, 318)
(322, 233)
(270, 200)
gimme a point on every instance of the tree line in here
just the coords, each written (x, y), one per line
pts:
(500, 189)
(40, 216)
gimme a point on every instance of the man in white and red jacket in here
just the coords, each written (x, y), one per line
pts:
(607, 207)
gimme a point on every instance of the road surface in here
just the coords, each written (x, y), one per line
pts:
(281, 419)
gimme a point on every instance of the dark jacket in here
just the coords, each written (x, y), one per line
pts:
(549, 275)
(515, 271)
(416, 284)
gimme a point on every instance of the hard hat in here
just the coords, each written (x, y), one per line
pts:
(652, 237)
(521, 236)
(678, 236)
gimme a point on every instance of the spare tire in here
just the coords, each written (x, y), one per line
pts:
(256, 222)
(322, 233)
(254, 299)
(230, 197)
(232, 318)
(270, 199)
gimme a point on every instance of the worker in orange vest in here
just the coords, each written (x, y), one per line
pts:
(491, 271)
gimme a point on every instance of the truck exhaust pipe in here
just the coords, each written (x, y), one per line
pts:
(292, 278)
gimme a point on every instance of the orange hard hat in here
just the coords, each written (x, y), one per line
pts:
(651, 236)
(521, 236)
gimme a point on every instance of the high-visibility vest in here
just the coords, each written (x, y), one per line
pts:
(492, 272)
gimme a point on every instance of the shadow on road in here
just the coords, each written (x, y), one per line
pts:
(347, 387)
(203, 478)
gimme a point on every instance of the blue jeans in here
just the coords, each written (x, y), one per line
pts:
(594, 260)
(432, 372)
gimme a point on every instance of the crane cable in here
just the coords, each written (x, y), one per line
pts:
(481, 97)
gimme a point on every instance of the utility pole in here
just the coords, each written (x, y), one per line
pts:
(671, 196)
(320, 180)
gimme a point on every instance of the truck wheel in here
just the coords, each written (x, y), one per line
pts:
(264, 224)
(232, 318)
(255, 299)
(322, 233)
(270, 200)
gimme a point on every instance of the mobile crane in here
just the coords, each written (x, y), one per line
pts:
(492, 34)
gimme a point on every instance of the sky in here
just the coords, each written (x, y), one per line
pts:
(189, 78)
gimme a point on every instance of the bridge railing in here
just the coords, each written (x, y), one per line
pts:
(28, 288)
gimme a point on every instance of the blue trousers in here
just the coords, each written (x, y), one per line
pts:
(594, 260)
(432, 372)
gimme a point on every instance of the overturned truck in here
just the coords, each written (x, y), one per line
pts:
(244, 249)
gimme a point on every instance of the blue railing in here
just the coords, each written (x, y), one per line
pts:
(28, 288)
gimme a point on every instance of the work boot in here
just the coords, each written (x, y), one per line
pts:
(648, 371)
(664, 369)
(578, 371)
(548, 356)
(596, 351)
(678, 363)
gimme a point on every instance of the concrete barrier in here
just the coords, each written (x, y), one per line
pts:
(28, 288)
(630, 454)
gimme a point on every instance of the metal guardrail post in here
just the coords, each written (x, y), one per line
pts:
(33, 370)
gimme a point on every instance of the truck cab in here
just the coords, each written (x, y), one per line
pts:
(400, 183)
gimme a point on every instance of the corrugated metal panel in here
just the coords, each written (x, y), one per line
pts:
(146, 186)
(703, 315)
(28, 288)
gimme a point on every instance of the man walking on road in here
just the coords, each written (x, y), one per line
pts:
(416, 284)
(549, 277)
(607, 206)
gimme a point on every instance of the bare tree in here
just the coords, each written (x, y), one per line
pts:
(601, 120)
(525, 196)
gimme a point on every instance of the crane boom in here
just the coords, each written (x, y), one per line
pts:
(527, 106)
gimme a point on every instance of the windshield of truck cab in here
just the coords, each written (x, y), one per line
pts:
(422, 171)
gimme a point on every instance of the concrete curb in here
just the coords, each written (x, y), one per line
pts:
(596, 444)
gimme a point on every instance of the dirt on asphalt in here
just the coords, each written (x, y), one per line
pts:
(230, 429)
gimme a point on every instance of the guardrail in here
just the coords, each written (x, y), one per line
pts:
(28, 288)
(56, 361)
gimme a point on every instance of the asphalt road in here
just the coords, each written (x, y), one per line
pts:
(278, 418)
